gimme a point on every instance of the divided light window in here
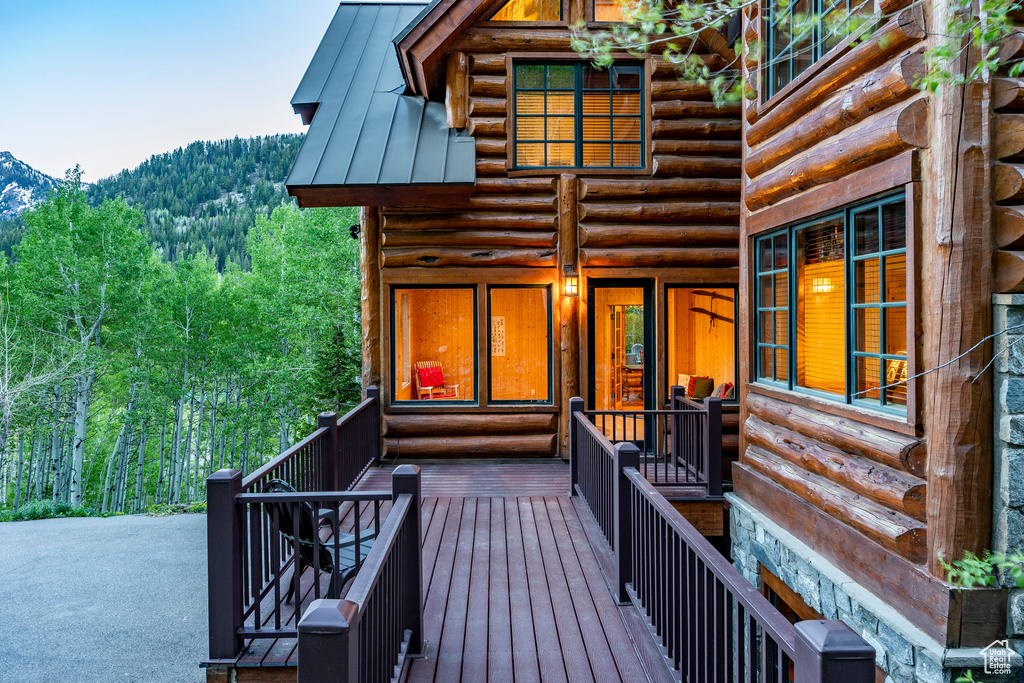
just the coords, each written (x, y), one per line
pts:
(831, 305)
(800, 32)
(529, 10)
(576, 116)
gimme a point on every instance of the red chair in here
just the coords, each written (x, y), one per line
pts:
(430, 382)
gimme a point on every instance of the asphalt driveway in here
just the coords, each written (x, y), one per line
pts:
(91, 599)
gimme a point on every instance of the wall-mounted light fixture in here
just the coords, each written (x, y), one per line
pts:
(572, 281)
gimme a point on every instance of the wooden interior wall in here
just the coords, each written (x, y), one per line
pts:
(519, 359)
(440, 328)
(860, 487)
(698, 344)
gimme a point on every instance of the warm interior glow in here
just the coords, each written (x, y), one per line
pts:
(529, 10)
(619, 356)
(608, 10)
(702, 334)
(519, 344)
(821, 285)
(572, 283)
(433, 325)
(821, 308)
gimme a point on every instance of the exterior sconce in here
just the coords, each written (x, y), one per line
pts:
(572, 282)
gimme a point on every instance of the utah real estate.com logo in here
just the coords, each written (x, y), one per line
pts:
(997, 658)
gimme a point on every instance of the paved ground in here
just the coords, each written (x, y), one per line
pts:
(107, 600)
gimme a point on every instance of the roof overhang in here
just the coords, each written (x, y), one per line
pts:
(430, 195)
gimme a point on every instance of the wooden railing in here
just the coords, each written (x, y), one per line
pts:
(370, 635)
(710, 622)
(681, 446)
(333, 457)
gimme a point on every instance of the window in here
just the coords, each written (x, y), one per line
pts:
(800, 32)
(701, 336)
(847, 341)
(520, 341)
(433, 344)
(529, 10)
(608, 10)
(573, 115)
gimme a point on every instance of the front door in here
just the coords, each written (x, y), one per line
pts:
(620, 344)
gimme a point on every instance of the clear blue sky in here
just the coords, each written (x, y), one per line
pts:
(107, 83)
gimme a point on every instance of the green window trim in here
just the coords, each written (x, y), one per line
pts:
(775, 270)
(550, 354)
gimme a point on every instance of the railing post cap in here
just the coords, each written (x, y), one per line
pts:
(576, 401)
(326, 419)
(224, 475)
(324, 617)
(406, 471)
(834, 639)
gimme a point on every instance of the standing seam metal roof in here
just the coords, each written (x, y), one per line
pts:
(364, 132)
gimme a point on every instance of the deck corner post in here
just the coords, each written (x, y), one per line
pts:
(406, 480)
(831, 651)
(713, 446)
(676, 394)
(575, 406)
(627, 455)
(224, 562)
(328, 647)
(374, 393)
(330, 468)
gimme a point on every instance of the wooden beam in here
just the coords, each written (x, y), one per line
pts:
(470, 238)
(487, 106)
(370, 292)
(471, 424)
(618, 188)
(487, 127)
(469, 221)
(1009, 271)
(711, 212)
(1008, 183)
(726, 149)
(486, 64)
(453, 446)
(688, 109)
(1008, 226)
(424, 196)
(487, 85)
(1008, 137)
(700, 167)
(569, 331)
(696, 129)
(1008, 94)
(439, 257)
(455, 90)
(625, 235)
(708, 257)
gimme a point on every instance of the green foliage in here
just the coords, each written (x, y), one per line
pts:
(166, 510)
(47, 509)
(970, 570)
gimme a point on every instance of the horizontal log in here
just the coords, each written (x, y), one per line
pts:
(702, 257)
(1007, 183)
(502, 40)
(892, 530)
(696, 167)
(684, 109)
(490, 147)
(468, 221)
(1011, 48)
(1008, 94)
(1008, 137)
(1009, 271)
(517, 203)
(876, 92)
(439, 257)
(525, 185)
(891, 487)
(657, 235)
(1008, 226)
(490, 167)
(873, 141)
(487, 86)
(665, 69)
(696, 128)
(608, 188)
(486, 126)
(881, 445)
(727, 149)
(451, 446)
(898, 33)
(469, 424)
(487, 106)
(674, 89)
(487, 64)
(470, 238)
(711, 212)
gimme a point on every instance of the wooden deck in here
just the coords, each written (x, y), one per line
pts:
(514, 591)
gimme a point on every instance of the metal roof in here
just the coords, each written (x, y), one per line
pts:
(363, 131)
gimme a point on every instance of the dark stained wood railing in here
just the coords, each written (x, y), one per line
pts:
(712, 625)
(369, 636)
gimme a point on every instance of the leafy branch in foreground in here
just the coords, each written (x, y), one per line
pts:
(970, 570)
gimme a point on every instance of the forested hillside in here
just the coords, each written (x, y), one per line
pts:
(125, 377)
(202, 198)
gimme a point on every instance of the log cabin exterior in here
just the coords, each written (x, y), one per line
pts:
(843, 220)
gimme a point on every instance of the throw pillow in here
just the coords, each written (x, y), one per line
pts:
(702, 387)
(431, 377)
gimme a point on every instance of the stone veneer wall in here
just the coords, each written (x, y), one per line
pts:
(905, 652)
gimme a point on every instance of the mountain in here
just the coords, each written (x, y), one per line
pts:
(202, 197)
(21, 186)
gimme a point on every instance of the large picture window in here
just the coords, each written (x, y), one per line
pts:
(520, 344)
(573, 115)
(434, 344)
(815, 333)
(701, 339)
(529, 10)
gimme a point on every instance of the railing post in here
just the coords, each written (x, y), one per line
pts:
(831, 651)
(330, 468)
(224, 562)
(713, 446)
(406, 479)
(328, 643)
(676, 393)
(575, 406)
(626, 455)
(374, 393)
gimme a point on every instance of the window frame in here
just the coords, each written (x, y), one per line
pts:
(564, 7)
(879, 405)
(513, 59)
(550, 352)
(735, 288)
(475, 401)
